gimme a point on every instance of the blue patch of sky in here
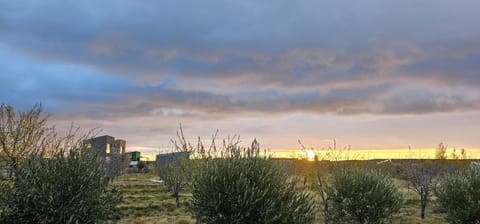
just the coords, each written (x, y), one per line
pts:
(26, 80)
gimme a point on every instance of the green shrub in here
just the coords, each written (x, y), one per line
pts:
(459, 194)
(175, 171)
(249, 190)
(362, 196)
(140, 165)
(183, 221)
(71, 189)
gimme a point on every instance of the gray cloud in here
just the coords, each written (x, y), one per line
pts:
(267, 69)
(282, 42)
(165, 58)
(426, 100)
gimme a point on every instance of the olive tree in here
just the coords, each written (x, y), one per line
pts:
(57, 179)
(175, 169)
(441, 151)
(325, 162)
(60, 189)
(22, 135)
(459, 194)
(114, 165)
(421, 178)
(244, 187)
(362, 196)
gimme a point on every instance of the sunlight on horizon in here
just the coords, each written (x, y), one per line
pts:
(356, 154)
(371, 154)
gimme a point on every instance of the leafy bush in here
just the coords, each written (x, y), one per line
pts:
(183, 221)
(141, 165)
(249, 189)
(71, 189)
(459, 194)
(175, 170)
(362, 196)
(22, 134)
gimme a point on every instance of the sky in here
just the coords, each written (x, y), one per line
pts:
(372, 74)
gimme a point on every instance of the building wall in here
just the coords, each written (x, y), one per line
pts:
(170, 157)
(120, 146)
(102, 145)
(135, 155)
(106, 145)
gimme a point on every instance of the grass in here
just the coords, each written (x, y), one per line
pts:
(145, 202)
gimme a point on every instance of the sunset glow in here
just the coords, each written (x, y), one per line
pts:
(365, 154)
(376, 75)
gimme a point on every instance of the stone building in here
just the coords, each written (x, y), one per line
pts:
(107, 145)
(171, 157)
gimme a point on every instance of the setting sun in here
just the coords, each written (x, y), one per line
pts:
(310, 154)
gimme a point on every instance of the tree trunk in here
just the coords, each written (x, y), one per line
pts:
(423, 206)
(177, 201)
(324, 196)
(13, 169)
(177, 194)
(326, 215)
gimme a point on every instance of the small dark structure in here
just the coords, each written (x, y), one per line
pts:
(170, 157)
(134, 156)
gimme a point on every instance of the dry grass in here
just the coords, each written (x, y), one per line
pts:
(147, 203)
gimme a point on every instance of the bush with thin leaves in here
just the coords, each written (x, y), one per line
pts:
(246, 188)
(176, 168)
(22, 134)
(71, 189)
(362, 196)
(459, 194)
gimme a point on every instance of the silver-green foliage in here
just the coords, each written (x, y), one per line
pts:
(247, 188)
(176, 169)
(22, 134)
(176, 172)
(71, 189)
(362, 196)
(459, 194)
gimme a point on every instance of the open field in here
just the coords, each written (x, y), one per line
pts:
(148, 202)
(369, 154)
(364, 154)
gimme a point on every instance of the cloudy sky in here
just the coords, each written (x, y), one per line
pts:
(371, 73)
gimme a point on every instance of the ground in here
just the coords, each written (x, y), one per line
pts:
(148, 202)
